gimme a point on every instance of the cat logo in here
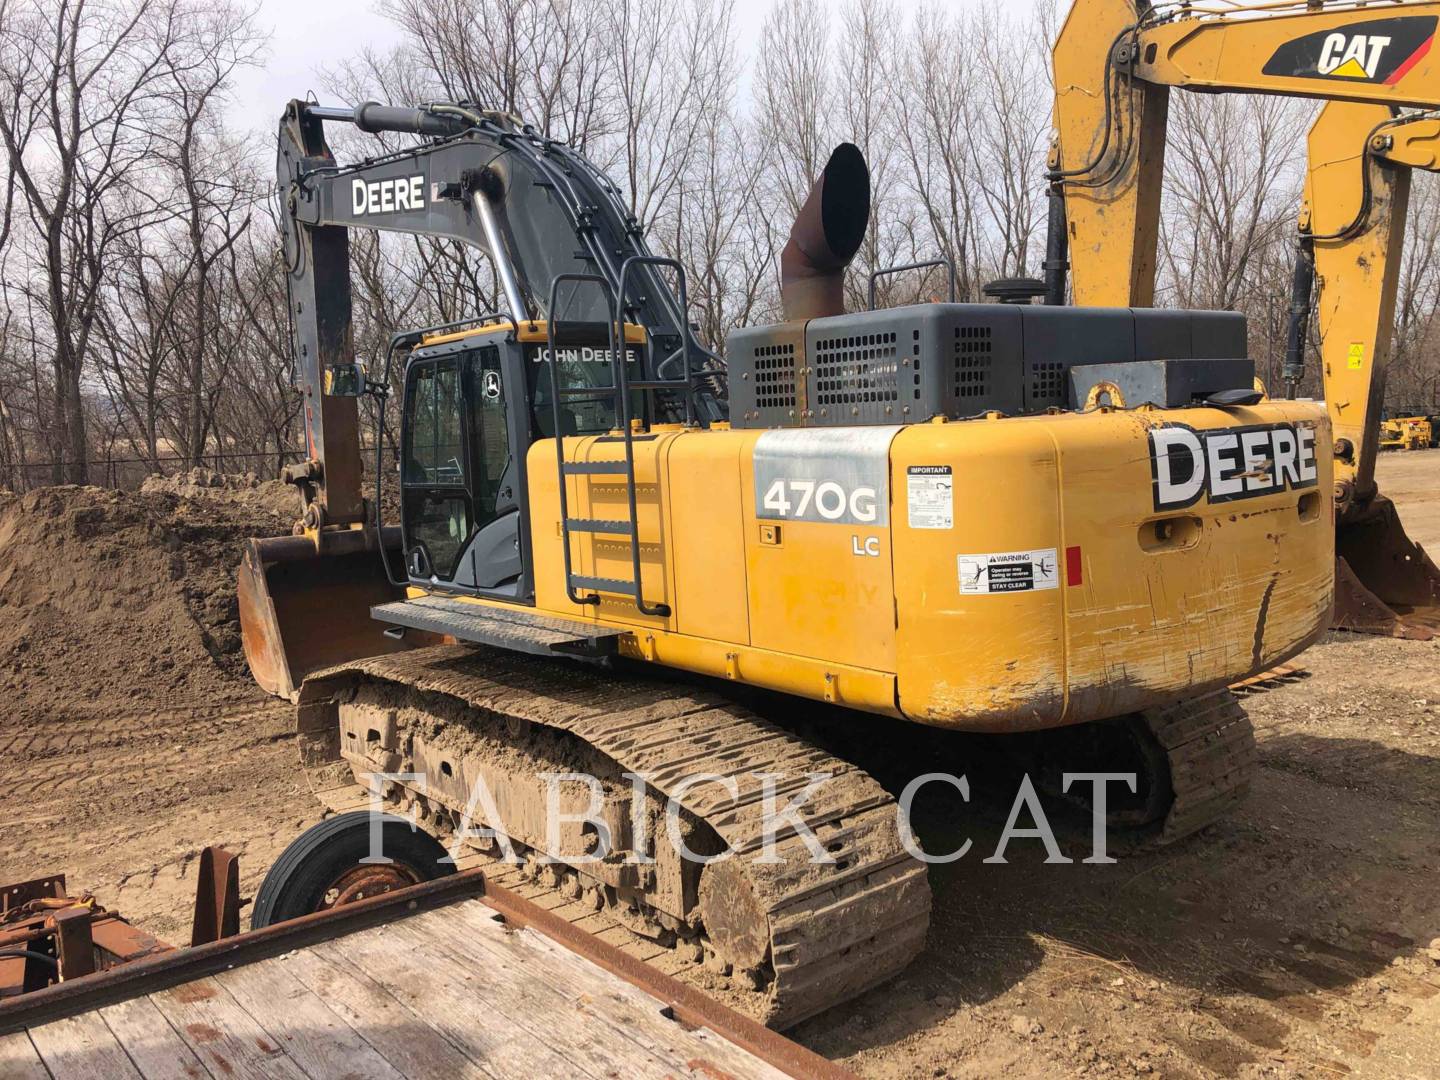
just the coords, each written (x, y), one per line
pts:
(1378, 51)
(1356, 57)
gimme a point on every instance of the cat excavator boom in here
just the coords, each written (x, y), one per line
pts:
(1115, 63)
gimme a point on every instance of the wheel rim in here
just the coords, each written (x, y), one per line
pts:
(367, 880)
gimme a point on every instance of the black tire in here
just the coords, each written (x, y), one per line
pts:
(299, 880)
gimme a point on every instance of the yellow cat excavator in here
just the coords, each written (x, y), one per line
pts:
(932, 514)
(1352, 237)
(1115, 62)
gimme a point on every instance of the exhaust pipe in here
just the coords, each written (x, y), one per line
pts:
(826, 235)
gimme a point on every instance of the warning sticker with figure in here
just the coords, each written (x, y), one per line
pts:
(930, 495)
(1009, 571)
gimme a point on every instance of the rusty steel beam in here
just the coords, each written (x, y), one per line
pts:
(74, 944)
(117, 939)
(22, 892)
(162, 970)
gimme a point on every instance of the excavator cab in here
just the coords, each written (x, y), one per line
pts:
(474, 401)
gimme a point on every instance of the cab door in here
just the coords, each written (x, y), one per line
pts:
(461, 512)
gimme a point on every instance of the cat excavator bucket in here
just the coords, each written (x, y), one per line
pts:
(302, 610)
(1384, 582)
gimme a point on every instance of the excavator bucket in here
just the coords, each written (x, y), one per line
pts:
(1384, 582)
(301, 611)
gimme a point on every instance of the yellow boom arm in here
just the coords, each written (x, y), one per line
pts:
(1116, 60)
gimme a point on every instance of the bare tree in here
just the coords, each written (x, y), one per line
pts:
(793, 99)
(941, 105)
(143, 308)
(1233, 177)
(80, 79)
(214, 189)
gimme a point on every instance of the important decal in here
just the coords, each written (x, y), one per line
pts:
(387, 196)
(1009, 571)
(930, 496)
(1378, 50)
(1230, 463)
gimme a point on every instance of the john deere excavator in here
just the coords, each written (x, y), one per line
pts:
(1115, 63)
(926, 513)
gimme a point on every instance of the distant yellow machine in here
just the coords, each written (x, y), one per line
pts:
(1406, 433)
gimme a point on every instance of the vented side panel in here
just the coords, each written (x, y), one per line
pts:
(774, 367)
(766, 388)
(1058, 338)
(1046, 384)
(856, 371)
(974, 358)
(906, 365)
(872, 367)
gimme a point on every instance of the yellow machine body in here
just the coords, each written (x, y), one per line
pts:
(1116, 606)
(1406, 433)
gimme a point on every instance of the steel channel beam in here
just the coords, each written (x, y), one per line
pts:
(166, 969)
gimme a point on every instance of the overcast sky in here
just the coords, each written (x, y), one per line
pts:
(312, 35)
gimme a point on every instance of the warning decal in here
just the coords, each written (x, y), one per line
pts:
(1009, 571)
(930, 495)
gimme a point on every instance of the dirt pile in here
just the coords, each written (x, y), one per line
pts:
(237, 493)
(115, 600)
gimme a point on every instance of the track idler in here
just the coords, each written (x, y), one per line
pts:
(1384, 582)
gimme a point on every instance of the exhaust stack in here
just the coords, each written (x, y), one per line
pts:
(826, 235)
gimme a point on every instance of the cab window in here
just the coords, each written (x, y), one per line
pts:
(435, 456)
(437, 512)
(581, 414)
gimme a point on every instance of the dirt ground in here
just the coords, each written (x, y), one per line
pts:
(1292, 940)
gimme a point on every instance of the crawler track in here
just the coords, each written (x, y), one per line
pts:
(801, 935)
(1210, 745)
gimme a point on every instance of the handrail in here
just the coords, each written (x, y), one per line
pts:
(926, 265)
(686, 383)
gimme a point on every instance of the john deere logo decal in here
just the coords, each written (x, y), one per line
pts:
(1379, 51)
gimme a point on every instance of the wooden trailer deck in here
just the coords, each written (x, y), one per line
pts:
(473, 987)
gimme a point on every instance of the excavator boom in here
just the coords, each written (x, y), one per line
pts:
(1352, 232)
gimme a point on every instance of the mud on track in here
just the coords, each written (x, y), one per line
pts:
(1289, 941)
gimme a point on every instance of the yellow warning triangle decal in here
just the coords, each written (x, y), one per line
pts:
(1351, 69)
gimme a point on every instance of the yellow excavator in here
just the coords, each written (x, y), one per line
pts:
(934, 514)
(1115, 62)
(1352, 235)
